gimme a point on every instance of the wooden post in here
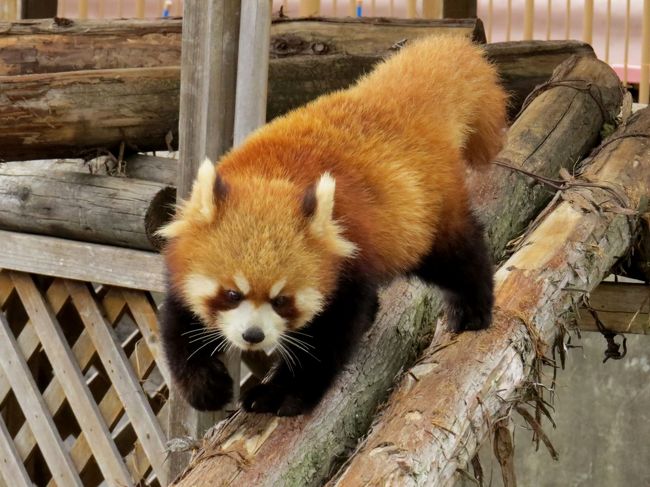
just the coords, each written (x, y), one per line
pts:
(83, 9)
(459, 9)
(253, 67)
(431, 9)
(207, 105)
(411, 10)
(567, 34)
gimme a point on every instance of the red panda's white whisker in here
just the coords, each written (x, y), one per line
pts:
(203, 346)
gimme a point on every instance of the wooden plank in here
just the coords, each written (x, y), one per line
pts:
(13, 471)
(72, 381)
(34, 408)
(83, 261)
(208, 80)
(122, 377)
(27, 339)
(623, 308)
(145, 316)
(252, 68)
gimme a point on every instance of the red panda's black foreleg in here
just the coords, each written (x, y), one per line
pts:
(201, 377)
(462, 267)
(328, 341)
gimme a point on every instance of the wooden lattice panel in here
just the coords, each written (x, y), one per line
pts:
(83, 386)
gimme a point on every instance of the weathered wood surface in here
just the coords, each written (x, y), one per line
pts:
(264, 451)
(83, 261)
(119, 211)
(55, 45)
(75, 114)
(444, 407)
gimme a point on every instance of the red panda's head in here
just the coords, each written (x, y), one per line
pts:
(255, 258)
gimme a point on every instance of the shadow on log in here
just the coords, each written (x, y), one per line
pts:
(476, 381)
(558, 128)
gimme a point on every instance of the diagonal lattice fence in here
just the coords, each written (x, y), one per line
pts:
(83, 386)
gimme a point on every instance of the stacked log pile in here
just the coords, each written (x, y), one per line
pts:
(87, 88)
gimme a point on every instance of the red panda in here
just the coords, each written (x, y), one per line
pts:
(284, 243)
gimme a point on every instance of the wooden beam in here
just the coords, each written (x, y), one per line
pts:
(208, 80)
(83, 261)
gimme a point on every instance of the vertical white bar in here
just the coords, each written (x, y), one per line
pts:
(509, 21)
(567, 34)
(588, 24)
(529, 19)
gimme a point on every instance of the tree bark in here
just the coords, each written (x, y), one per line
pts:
(117, 211)
(556, 129)
(443, 407)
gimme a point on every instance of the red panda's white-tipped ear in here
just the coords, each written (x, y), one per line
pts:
(322, 224)
(201, 206)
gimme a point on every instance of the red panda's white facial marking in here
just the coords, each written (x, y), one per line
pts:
(196, 289)
(236, 322)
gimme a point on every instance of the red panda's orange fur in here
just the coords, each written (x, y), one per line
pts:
(396, 143)
(326, 203)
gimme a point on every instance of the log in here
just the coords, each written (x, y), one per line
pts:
(162, 170)
(74, 114)
(444, 407)
(117, 211)
(557, 128)
(57, 45)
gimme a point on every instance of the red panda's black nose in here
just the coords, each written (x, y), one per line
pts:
(253, 335)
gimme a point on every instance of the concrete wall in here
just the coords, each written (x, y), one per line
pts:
(603, 424)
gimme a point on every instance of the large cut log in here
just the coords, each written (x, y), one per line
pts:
(74, 114)
(444, 406)
(557, 128)
(118, 211)
(56, 45)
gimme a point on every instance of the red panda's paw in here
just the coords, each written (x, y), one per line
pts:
(269, 398)
(208, 388)
(462, 317)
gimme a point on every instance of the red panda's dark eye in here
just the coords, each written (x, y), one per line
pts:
(279, 302)
(233, 296)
